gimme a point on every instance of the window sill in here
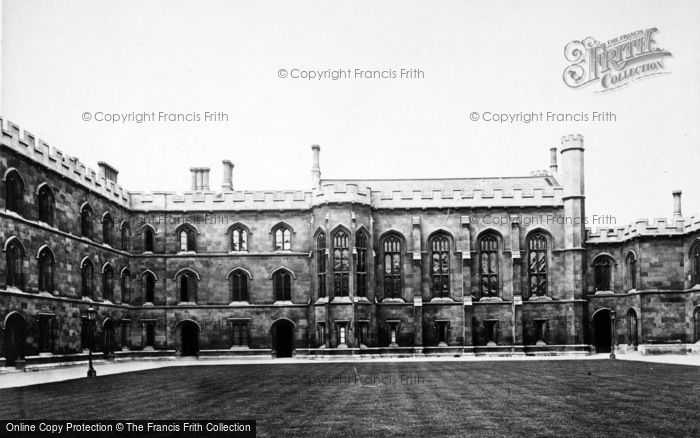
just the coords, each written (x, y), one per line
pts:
(186, 303)
(442, 300)
(239, 303)
(282, 303)
(490, 299)
(322, 300)
(540, 298)
(604, 292)
(239, 347)
(393, 300)
(186, 252)
(341, 300)
(147, 304)
(240, 252)
(362, 300)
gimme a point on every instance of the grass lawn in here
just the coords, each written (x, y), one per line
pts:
(533, 398)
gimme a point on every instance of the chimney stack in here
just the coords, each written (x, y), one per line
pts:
(553, 168)
(227, 184)
(200, 178)
(677, 212)
(109, 172)
(316, 167)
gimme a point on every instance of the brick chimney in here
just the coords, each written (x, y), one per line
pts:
(553, 167)
(227, 183)
(109, 172)
(200, 178)
(316, 167)
(677, 212)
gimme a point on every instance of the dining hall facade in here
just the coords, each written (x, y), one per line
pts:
(464, 266)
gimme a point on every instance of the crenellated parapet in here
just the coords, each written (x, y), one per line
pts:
(342, 193)
(212, 201)
(468, 198)
(643, 228)
(26, 144)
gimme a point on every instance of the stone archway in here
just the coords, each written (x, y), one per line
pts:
(282, 332)
(14, 339)
(108, 339)
(632, 329)
(189, 338)
(601, 331)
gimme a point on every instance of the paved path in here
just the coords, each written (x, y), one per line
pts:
(13, 378)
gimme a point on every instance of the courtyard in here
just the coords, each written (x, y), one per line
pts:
(448, 398)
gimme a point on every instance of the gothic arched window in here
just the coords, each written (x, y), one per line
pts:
(46, 267)
(148, 239)
(239, 239)
(149, 287)
(187, 239)
(282, 239)
(392, 267)
(361, 271)
(238, 284)
(602, 271)
(88, 278)
(46, 204)
(341, 264)
(537, 264)
(86, 215)
(14, 255)
(632, 270)
(14, 192)
(187, 283)
(125, 236)
(695, 263)
(440, 266)
(107, 225)
(125, 285)
(282, 284)
(108, 282)
(488, 266)
(321, 264)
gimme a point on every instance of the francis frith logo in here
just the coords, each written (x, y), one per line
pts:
(616, 62)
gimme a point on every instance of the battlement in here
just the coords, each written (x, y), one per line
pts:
(643, 227)
(212, 201)
(26, 144)
(571, 137)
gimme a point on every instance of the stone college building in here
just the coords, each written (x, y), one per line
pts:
(464, 266)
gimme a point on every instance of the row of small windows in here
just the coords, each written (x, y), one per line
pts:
(282, 280)
(186, 281)
(14, 197)
(14, 200)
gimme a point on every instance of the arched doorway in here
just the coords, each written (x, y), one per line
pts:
(14, 339)
(189, 338)
(632, 329)
(108, 338)
(601, 330)
(283, 338)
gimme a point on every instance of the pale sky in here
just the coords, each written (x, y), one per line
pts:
(60, 59)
